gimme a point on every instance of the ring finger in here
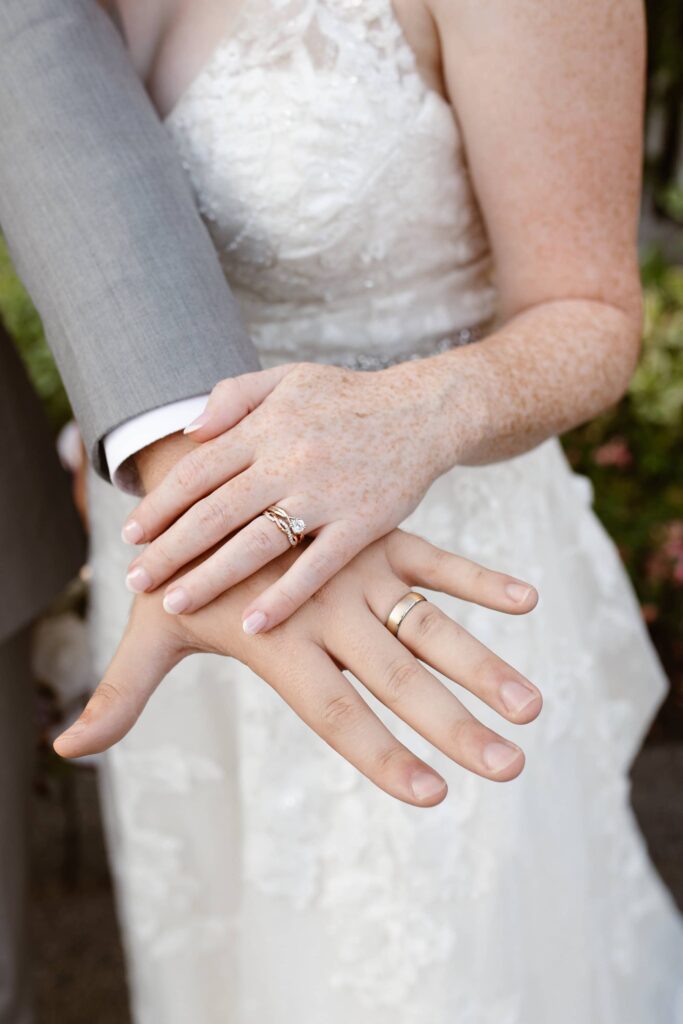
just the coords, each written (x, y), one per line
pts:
(388, 669)
(258, 543)
(449, 648)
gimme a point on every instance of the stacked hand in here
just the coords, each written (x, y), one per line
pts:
(343, 627)
(350, 453)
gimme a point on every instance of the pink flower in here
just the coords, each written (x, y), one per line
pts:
(666, 560)
(613, 453)
(673, 547)
(673, 537)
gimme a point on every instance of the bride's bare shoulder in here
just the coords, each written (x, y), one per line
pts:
(544, 17)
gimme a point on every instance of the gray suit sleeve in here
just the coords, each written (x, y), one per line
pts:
(101, 223)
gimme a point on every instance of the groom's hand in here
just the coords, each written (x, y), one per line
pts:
(343, 627)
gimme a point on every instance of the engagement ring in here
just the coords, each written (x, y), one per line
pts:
(292, 526)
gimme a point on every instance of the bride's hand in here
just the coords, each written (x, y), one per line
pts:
(350, 453)
(343, 627)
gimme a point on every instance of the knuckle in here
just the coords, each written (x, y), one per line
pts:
(479, 576)
(323, 565)
(459, 733)
(259, 542)
(287, 598)
(203, 583)
(189, 472)
(387, 757)
(489, 667)
(212, 516)
(225, 388)
(109, 693)
(428, 621)
(401, 677)
(304, 452)
(340, 714)
(149, 510)
(159, 557)
(107, 697)
(304, 371)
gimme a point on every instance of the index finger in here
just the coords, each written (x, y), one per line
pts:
(193, 477)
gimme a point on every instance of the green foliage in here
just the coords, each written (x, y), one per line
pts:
(671, 202)
(24, 325)
(633, 454)
(657, 386)
(664, 100)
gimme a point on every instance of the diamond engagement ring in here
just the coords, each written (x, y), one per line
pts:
(293, 527)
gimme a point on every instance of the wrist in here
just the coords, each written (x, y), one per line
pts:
(449, 407)
(155, 460)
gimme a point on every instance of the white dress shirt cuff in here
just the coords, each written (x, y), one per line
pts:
(131, 437)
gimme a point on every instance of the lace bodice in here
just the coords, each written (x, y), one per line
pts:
(334, 184)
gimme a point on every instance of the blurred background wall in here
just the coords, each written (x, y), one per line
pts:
(633, 454)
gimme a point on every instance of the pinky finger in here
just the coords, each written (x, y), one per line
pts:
(422, 564)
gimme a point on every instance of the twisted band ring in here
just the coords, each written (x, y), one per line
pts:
(293, 527)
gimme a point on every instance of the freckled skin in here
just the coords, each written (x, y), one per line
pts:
(552, 130)
(549, 98)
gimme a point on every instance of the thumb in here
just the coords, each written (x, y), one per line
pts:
(135, 671)
(234, 398)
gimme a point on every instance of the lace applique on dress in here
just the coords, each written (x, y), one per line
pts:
(334, 185)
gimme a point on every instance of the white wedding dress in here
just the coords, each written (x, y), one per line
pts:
(261, 879)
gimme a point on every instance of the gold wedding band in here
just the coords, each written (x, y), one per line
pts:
(401, 609)
(293, 527)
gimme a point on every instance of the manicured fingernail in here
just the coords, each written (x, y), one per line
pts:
(254, 623)
(138, 580)
(498, 756)
(132, 532)
(425, 785)
(196, 424)
(516, 696)
(517, 591)
(176, 601)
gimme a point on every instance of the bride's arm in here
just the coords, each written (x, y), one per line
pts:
(549, 98)
(549, 95)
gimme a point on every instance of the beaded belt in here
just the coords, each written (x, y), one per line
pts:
(376, 362)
